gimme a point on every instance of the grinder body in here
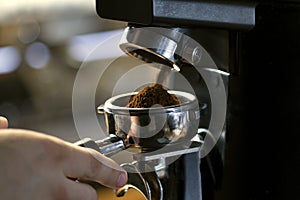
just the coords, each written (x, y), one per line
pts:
(257, 44)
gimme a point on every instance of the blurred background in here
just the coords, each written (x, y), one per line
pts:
(42, 45)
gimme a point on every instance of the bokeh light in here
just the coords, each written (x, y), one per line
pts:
(10, 59)
(37, 55)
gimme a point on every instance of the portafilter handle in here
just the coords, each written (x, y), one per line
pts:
(147, 184)
(108, 146)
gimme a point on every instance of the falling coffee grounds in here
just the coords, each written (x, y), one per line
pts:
(151, 95)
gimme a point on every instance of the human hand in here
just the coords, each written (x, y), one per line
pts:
(37, 166)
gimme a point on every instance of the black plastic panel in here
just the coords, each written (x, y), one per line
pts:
(221, 14)
(138, 11)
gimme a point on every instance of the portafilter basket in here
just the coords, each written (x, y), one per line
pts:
(152, 128)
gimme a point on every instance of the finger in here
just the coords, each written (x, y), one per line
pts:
(88, 164)
(78, 191)
(3, 122)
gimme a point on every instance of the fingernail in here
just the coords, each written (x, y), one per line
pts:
(122, 180)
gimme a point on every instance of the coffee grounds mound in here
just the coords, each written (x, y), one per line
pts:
(151, 95)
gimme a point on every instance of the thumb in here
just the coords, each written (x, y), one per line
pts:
(91, 165)
(3, 122)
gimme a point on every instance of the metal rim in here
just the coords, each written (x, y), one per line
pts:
(189, 103)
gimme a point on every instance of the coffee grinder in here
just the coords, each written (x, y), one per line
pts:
(255, 46)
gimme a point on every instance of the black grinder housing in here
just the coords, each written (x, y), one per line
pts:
(257, 43)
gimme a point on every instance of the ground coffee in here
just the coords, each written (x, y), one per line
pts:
(151, 95)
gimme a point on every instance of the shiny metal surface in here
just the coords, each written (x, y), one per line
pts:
(146, 183)
(150, 45)
(152, 128)
(110, 145)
